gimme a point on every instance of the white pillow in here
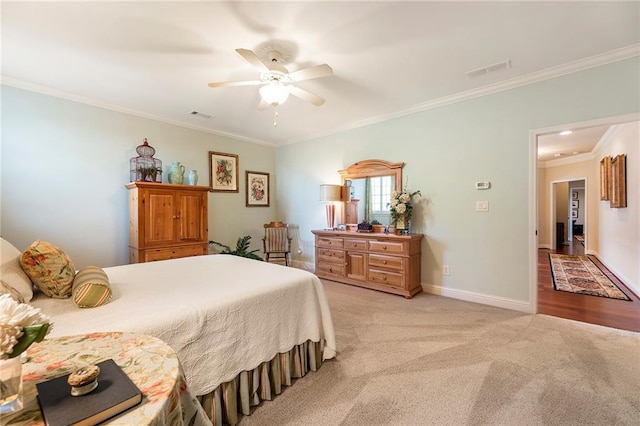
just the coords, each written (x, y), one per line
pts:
(11, 272)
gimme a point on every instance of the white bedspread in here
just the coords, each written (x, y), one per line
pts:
(222, 314)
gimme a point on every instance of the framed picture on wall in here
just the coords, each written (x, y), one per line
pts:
(574, 204)
(223, 172)
(257, 194)
(605, 167)
(574, 214)
(618, 187)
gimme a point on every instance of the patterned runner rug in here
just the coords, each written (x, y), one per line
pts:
(578, 274)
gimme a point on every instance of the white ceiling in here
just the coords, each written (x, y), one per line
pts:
(389, 58)
(555, 146)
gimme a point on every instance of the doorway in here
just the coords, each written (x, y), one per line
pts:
(560, 192)
(568, 201)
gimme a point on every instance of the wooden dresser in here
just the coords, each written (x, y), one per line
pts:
(385, 262)
(167, 221)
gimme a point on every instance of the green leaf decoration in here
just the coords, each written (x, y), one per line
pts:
(242, 245)
(32, 333)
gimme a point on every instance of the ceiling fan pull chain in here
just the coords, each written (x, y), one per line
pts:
(275, 117)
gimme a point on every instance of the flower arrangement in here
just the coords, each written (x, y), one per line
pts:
(400, 204)
(20, 325)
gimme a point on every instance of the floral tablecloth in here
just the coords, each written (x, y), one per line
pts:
(150, 363)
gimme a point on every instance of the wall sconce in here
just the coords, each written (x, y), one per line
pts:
(330, 194)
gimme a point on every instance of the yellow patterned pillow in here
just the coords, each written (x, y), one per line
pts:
(91, 287)
(49, 268)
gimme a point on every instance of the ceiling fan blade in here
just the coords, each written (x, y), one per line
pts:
(317, 71)
(253, 59)
(307, 96)
(236, 83)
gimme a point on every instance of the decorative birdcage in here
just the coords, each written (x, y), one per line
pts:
(145, 168)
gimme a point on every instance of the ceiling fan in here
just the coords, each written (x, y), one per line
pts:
(277, 83)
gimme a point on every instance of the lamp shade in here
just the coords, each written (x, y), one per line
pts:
(274, 93)
(330, 193)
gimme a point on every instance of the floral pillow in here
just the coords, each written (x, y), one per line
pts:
(11, 272)
(49, 268)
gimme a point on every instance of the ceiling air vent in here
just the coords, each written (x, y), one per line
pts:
(489, 69)
(202, 115)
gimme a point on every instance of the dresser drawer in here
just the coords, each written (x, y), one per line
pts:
(335, 243)
(389, 262)
(173, 253)
(328, 268)
(350, 244)
(387, 278)
(331, 256)
(386, 247)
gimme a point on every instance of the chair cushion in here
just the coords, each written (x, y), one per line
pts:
(91, 287)
(50, 269)
(11, 272)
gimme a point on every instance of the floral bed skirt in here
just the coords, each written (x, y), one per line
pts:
(226, 404)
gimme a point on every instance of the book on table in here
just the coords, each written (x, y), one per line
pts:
(115, 393)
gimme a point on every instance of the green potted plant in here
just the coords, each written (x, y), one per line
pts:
(154, 172)
(242, 247)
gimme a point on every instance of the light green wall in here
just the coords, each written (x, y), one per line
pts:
(446, 150)
(65, 164)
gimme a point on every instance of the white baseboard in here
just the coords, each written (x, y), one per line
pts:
(469, 296)
(307, 266)
(617, 273)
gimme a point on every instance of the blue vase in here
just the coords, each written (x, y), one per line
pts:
(191, 178)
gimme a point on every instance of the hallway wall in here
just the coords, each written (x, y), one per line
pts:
(618, 244)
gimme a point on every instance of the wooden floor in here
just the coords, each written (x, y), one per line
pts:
(615, 313)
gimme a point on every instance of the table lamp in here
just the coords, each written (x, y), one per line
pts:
(330, 194)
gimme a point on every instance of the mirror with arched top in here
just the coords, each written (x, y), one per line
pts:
(368, 190)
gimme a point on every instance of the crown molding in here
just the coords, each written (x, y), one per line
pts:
(588, 156)
(531, 78)
(9, 81)
(610, 134)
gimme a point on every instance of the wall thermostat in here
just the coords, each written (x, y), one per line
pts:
(483, 185)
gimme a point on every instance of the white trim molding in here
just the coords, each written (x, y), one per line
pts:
(484, 299)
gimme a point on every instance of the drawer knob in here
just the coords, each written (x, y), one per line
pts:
(384, 279)
(384, 262)
(384, 247)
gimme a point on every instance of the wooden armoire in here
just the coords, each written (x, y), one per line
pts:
(167, 221)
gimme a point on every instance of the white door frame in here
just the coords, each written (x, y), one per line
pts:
(533, 192)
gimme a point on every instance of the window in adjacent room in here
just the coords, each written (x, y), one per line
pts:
(380, 193)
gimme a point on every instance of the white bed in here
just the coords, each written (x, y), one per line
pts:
(222, 315)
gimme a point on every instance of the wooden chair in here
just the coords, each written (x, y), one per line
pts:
(277, 242)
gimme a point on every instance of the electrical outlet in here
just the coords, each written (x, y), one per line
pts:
(446, 270)
(300, 251)
(482, 206)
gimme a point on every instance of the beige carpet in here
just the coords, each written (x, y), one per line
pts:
(438, 361)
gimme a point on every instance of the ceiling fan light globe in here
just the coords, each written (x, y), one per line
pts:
(274, 94)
